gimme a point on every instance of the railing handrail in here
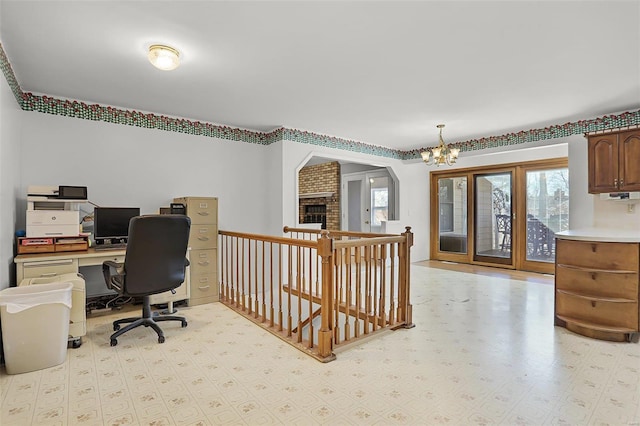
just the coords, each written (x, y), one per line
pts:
(271, 239)
(361, 242)
(336, 233)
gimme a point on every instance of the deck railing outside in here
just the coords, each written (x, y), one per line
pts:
(318, 289)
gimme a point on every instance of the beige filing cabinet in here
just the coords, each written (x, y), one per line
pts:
(203, 243)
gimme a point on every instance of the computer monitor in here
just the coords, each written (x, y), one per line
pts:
(111, 224)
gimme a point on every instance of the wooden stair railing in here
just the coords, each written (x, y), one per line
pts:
(318, 289)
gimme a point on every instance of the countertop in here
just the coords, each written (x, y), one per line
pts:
(601, 234)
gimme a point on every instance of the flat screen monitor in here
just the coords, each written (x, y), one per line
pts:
(111, 224)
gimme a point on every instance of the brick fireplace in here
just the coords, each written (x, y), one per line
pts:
(319, 195)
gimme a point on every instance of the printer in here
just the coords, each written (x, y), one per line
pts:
(52, 211)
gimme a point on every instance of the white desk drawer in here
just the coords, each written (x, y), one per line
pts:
(49, 268)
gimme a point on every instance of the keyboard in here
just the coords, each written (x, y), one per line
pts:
(110, 247)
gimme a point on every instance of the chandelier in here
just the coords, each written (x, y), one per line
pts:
(442, 154)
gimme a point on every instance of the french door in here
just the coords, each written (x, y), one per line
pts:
(494, 239)
(503, 216)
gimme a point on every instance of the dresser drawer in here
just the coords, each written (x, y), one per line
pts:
(597, 283)
(203, 262)
(596, 255)
(201, 210)
(203, 237)
(607, 313)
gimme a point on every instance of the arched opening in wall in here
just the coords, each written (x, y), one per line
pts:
(344, 195)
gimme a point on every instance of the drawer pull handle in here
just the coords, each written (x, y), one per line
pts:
(205, 263)
(593, 303)
(593, 275)
(593, 248)
(204, 287)
(50, 274)
(203, 213)
(203, 238)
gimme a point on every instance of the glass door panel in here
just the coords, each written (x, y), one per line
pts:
(452, 214)
(547, 206)
(493, 218)
(379, 197)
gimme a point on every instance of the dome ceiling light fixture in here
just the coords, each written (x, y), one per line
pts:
(164, 57)
(443, 154)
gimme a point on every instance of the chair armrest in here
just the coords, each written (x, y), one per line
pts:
(113, 281)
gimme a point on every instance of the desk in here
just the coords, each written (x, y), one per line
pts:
(50, 264)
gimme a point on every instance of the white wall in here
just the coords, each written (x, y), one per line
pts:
(131, 166)
(10, 114)
(581, 211)
(588, 210)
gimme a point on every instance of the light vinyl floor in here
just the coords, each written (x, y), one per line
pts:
(484, 351)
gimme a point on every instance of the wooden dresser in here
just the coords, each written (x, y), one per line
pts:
(596, 288)
(203, 241)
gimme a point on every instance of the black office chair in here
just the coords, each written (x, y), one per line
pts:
(155, 262)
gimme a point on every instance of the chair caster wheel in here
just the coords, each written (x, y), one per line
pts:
(75, 344)
(116, 327)
(160, 339)
(114, 342)
(184, 324)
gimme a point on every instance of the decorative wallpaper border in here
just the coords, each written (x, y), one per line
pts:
(49, 105)
(10, 76)
(607, 122)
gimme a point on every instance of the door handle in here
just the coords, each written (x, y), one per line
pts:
(366, 221)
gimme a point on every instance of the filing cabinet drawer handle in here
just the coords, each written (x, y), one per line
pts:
(50, 274)
(203, 213)
(203, 263)
(204, 287)
(203, 238)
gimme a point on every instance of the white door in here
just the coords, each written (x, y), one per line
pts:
(365, 201)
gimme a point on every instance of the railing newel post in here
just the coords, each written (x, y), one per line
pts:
(325, 334)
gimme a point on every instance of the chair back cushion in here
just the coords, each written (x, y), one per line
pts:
(156, 254)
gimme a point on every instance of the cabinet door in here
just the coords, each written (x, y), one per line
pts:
(603, 163)
(629, 152)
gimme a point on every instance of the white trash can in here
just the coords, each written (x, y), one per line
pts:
(35, 326)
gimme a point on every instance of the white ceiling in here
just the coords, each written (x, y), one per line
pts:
(383, 73)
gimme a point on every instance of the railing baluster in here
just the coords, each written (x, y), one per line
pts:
(281, 284)
(392, 285)
(289, 294)
(264, 278)
(358, 307)
(383, 287)
(348, 290)
(311, 294)
(299, 294)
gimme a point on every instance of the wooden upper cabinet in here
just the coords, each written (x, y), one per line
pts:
(629, 154)
(614, 162)
(603, 163)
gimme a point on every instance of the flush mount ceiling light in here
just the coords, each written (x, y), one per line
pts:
(443, 154)
(164, 57)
